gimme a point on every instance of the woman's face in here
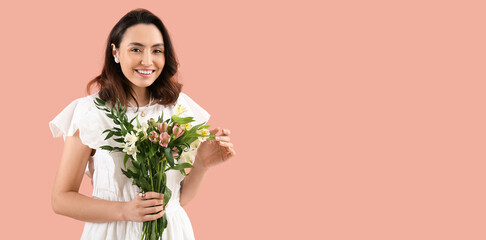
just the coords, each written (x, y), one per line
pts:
(141, 54)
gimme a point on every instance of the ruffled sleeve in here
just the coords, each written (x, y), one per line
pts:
(67, 122)
(82, 114)
(200, 115)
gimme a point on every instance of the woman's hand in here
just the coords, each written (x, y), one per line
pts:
(213, 152)
(144, 209)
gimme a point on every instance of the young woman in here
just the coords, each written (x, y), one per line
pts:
(139, 69)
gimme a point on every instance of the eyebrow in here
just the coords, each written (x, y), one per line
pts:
(141, 45)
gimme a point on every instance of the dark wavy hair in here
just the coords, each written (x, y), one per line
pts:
(112, 82)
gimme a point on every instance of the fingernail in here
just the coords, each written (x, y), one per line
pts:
(217, 138)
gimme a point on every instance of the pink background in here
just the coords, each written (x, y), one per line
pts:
(351, 120)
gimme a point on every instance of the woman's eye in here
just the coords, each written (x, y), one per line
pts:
(135, 50)
(159, 51)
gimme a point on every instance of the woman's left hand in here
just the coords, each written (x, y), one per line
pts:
(213, 152)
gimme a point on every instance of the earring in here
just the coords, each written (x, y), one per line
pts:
(116, 60)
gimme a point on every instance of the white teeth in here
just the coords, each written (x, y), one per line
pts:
(144, 72)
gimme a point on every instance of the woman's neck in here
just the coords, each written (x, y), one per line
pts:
(142, 95)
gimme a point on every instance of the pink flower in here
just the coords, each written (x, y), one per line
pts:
(162, 127)
(164, 139)
(177, 131)
(175, 154)
(153, 137)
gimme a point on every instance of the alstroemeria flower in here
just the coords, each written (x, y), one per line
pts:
(179, 109)
(177, 131)
(129, 149)
(195, 144)
(187, 157)
(175, 154)
(162, 127)
(131, 138)
(153, 136)
(164, 139)
(205, 133)
(186, 126)
(145, 126)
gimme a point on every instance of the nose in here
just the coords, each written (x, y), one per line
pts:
(147, 59)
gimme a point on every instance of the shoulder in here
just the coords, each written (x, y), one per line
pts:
(194, 109)
(86, 103)
(78, 107)
(184, 98)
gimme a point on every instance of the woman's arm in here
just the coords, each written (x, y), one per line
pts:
(66, 199)
(192, 183)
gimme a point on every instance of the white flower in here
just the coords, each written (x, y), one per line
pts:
(130, 149)
(186, 126)
(145, 126)
(143, 129)
(205, 133)
(187, 157)
(131, 138)
(195, 144)
(179, 109)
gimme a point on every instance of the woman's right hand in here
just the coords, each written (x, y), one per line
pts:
(144, 209)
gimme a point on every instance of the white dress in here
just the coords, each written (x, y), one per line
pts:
(109, 183)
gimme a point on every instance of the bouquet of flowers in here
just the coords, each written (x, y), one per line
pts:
(153, 148)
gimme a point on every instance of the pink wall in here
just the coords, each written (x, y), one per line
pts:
(351, 120)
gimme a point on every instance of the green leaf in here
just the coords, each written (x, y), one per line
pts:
(117, 104)
(138, 123)
(133, 118)
(136, 164)
(118, 149)
(145, 185)
(125, 159)
(167, 195)
(106, 147)
(180, 120)
(109, 135)
(169, 156)
(182, 166)
(140, 158)
(99, 102)
(152, 152)
(126, 173)
(153, 236)
(164, 221)
(183, 172)
(134, 171)
(123, 111)
(120, 140)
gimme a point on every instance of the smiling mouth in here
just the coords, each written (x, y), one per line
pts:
(145, 73)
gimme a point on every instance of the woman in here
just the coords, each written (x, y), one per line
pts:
(139, 69)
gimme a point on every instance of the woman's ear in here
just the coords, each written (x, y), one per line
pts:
(113, 50)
